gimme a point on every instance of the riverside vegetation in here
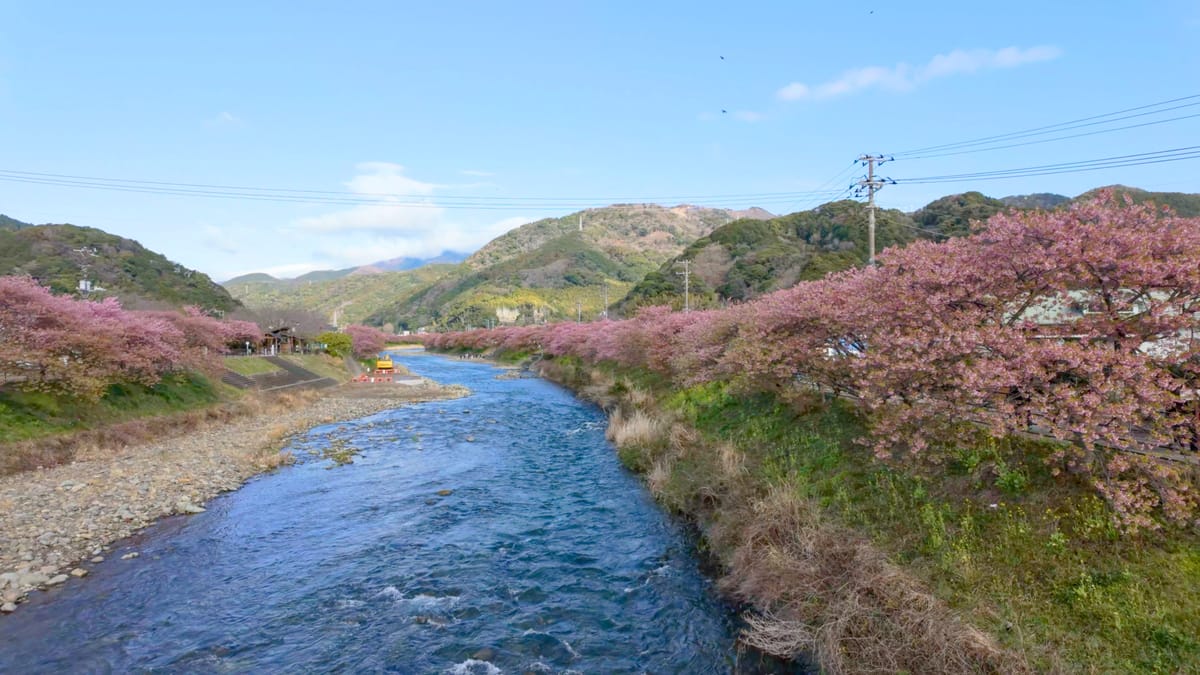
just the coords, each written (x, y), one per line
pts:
(110, 419)
(917, 527)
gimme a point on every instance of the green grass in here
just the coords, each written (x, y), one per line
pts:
(250, 365)
(29, 415)
(1032, 559)
(325, 366)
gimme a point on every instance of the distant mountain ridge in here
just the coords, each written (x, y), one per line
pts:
(744, 259)
(390, 265)
(65, 256)
(558, 267)
(7, 223)
(747, 258)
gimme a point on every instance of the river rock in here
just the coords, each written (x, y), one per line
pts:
(445, 493)
(8, 608)
(79, 572)
(470, 439)
(98, 559)
(57, 580)
(33, 579)
(130, 556)
(185, 506)
(485, 654)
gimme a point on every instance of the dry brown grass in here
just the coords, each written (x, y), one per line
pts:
(636, 429)
(823, 591)
(599, 390)
(273, 460)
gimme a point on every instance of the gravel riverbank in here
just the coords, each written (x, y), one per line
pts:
(55, 522)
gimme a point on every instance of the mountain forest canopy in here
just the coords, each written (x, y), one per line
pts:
(63, 256)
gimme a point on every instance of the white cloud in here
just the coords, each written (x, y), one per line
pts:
(905, 77)
(403, 204)
(371, 248)
(404, 220)
(223, 119)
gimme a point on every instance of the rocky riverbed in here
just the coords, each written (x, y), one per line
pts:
(55, 522)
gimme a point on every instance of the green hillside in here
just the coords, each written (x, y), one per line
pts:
(341, 299)
(744, 259)
(557, 268)
(1183, 203)
(1037, 200)
(747, 258)
(7, 223)
(62, 256)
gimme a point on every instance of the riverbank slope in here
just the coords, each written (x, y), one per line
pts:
(985, 564)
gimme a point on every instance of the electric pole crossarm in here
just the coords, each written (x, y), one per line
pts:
(871, 183)
(686, 274)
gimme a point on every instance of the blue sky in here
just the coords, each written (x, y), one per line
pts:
(508, 106)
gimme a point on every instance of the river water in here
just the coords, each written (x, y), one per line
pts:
(544, 556)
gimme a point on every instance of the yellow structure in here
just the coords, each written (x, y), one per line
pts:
(384, 365)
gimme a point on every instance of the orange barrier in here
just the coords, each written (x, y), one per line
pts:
(373, 378)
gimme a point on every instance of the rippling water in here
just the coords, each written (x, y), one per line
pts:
(545, 556)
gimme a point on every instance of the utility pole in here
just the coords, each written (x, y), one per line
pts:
(578, 311)
(605, 299)
(871, 184)
(686, 274)
(581, 222)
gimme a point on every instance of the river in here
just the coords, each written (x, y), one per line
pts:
(494, 533)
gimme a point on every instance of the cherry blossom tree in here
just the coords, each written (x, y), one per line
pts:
(366, 341)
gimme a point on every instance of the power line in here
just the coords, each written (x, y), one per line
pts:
(1058, 138)
(430, 202)
(290, 194)
(839, 176)
(1158, 157)
(1048, 128)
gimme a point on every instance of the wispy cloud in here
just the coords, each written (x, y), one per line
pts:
(477, 173)
(906, 77)
(223, 119)
(402, 204)
(403, 219)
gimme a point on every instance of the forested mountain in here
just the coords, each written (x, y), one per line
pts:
(554, 269)
(1183, 203)
(744, 259)
(392, 265)
(747, 258)
(7, 223)
(558, 267)
(1038, 200)
(63, 256)
(341, 300)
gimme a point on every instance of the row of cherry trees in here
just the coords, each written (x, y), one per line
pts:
(366, 341)
(63, 345)
(1078, 322)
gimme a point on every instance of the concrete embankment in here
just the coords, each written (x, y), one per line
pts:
(54, 522)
